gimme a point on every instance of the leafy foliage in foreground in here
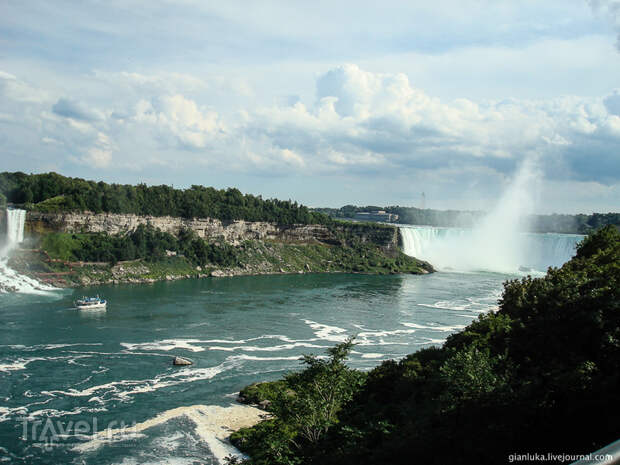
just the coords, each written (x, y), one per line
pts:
(540, 375)
(305, 406)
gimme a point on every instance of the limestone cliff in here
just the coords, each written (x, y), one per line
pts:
(233, 232)
(259, 248)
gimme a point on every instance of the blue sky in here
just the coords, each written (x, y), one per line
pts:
(327, 103)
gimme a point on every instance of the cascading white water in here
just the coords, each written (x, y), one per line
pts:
(15, 220)
(10, 280)
(463, 249)
(496, 243)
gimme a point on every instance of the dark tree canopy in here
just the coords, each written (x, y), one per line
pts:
(540, 375)
(52, 192)
(145, 242)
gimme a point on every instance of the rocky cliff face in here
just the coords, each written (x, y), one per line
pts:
(233, 232)
(385, 236)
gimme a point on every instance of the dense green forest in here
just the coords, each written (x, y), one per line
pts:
(541, 375)
(52, 192)
(145, 242)
(572, 224)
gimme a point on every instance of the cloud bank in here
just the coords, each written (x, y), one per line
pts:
(359, 122)
(302, 104)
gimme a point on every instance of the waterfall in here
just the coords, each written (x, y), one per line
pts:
(470, 249)
(11, 280)
(15, 220)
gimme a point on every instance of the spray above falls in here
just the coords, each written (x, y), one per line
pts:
(498, 242)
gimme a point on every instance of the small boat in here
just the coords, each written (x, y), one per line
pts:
(88, 303)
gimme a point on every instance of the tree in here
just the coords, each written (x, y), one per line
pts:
(319, 393)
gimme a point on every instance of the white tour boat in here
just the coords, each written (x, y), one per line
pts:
(87, 303)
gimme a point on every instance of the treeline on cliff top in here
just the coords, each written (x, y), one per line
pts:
(51, 192)
(540, 375)
(572, 224)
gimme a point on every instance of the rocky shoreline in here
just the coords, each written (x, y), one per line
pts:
(270, 259)
(254, 248)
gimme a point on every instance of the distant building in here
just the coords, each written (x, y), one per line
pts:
(378, 215)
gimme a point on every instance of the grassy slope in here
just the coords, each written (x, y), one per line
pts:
(252, 257)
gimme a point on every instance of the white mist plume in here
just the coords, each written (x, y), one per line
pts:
(498, 240)
(496, 243)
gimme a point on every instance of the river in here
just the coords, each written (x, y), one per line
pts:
(66, 374)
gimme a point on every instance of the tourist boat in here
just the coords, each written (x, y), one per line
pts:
(87, 303)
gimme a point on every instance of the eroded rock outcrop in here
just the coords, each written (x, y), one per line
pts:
(180, 361)
(233, 232)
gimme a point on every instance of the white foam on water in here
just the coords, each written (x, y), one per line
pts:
(21, 363)
(166, 461)
(48, 346)
(169, 442)
(12, 280)
(200, 345)
(258, 359)
(123, 390)
(430, 340)
(54, 413)
(213, 424)
(166, 345)
(59, 346)
(268, 349)
(326, 332)
(379, 333)
(446, 328)
(475, 305)
(448, 305)
(7, 413)
(372, 355)
(371, 337)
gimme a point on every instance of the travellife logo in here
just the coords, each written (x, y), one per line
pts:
(50, 434)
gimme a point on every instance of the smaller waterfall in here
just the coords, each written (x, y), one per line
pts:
(15, 220)
(10, 280)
